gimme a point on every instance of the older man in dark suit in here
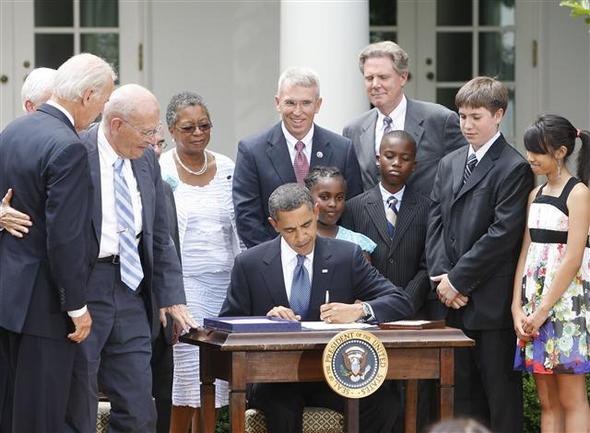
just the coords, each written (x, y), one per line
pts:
(287, 277)
(285, 152)
(475, 230)
(435, 128)
(43, 276)
(136, 273)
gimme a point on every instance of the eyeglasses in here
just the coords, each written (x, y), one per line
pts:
(160, 144)
(146, 134)
(190, 129)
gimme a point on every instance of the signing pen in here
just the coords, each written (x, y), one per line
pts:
(327, 297)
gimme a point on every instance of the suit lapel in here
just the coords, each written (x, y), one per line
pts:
(94, 163)
(321, 151)
(405, 217)
(458, 168)
(52, 111)
(278, 154)
(273, 274)
(413, 121)
(322, 275)
(483, 167)
(376, 211)
(367, 139)
(143, 179)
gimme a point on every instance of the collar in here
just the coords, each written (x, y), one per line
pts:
(398, 113)
(63, 110)
(386, 194)
(483, 149)
(289, 255)
(105, 148)
(291, 141)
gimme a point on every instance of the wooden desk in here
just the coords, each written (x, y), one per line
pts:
(296, 357)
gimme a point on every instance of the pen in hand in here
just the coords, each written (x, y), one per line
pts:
(327, 297)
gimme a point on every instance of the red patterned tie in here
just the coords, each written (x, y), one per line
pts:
(300, 164)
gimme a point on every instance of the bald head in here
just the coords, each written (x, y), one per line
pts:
(131, 120)
(37, 88)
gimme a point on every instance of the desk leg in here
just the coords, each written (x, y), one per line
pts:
(207, 392)
(411, 406)
(237, 395)
(351, 415)
(447, 383)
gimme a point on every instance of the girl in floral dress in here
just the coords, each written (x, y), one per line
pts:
(551, 302)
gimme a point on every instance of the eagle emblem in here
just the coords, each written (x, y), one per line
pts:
(355, 361)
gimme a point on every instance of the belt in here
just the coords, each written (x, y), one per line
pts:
(114, 259)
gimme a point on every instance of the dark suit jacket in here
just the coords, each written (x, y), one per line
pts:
(44, 274)
(162, 284)
(263, 164)
(475, 230)
(435, 129)
(257, 283)
(401, 259)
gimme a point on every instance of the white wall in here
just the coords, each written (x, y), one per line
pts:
(227, 51)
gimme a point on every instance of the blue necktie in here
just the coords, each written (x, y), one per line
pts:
(131, 271)
(391, 215)
(387, 125)
(300, 288)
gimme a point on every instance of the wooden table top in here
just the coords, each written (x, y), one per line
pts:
(314, 340)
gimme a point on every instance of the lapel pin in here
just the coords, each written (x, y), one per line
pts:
(324, 271)
(319, 154)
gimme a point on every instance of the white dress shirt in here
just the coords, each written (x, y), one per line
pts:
(292, 141)
(109, 231)
(398, 117)
(289, 262)
(483, 149)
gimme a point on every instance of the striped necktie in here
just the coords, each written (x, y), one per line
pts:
(387, 125)
(131, 271)
(391, 215)
(471, 163)
(300, 288)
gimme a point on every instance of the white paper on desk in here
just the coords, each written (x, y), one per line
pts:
(410, 322)
(254, 321)
(323, 326)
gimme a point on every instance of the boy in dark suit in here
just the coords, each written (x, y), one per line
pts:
(474, 234)
(395, 216)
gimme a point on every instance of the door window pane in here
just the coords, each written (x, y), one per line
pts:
(378, 36)
(454, 12)
(496, 55)
(453, 56)
(382, 13)
(54, 13)
(99, 13)
(496, 12)
(105, 45)
(446, 97)
(51, 50)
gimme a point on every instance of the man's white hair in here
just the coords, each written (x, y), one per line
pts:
(127, 100)
(38, 86)
(80, 73)
(297, 76)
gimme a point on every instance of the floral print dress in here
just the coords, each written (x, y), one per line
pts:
(562, 344)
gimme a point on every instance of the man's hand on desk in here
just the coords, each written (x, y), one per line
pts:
(14, 222)
(336, 312)
(182, 317)
(283, 313)
(447, 294)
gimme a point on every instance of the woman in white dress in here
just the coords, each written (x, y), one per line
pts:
(201, 181)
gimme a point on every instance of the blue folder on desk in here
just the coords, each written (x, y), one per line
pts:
(252, 324)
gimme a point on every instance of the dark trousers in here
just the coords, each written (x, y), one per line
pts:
(117, 356)
(162, 372)
(486, 386)
(283, 403)
(35, 375)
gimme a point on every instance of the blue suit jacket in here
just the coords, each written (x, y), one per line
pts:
(44, 274)
(263, 164)
(257, 283)
(162, 284)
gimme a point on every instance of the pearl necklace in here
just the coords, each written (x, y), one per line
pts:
(199, 172)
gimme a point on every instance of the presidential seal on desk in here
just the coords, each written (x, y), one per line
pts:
(354, 363)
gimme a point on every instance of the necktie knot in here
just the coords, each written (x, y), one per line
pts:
(300, 288)
(300, 163)
(392, 203)
(299, 146)
(118, 164)
(300, 260)
(471, 163)
(387, 121)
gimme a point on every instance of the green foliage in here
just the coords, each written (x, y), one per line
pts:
(532, 408)
(222, 425)
(579, 8)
